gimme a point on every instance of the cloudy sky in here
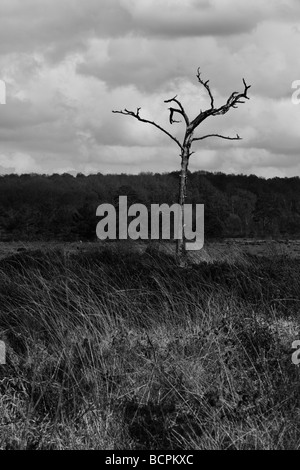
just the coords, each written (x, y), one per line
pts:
(68, 63)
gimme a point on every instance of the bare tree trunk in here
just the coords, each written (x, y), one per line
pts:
(234, 99)
(181, 242)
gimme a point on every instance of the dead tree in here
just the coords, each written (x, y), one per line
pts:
(190, 126)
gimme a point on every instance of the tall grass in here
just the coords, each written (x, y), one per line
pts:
(123, 350)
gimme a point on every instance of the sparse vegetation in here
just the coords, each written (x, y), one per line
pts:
(121, 350)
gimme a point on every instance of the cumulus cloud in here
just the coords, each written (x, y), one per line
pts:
(67, 64)
(58, 27)
(174, 18)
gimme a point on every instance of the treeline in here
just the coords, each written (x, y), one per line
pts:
(63, 207)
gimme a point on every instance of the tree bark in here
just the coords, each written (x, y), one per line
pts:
(181, 242)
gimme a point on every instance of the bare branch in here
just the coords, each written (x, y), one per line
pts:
(180, 110)
(205, 84)
(172, 111)
(136, 115)
(217, 135)
(232, 102)
(234, 99)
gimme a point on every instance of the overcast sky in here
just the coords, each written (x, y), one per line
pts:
(68, 63)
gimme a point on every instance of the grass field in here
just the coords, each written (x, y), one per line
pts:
(228, 249)
(115, 347)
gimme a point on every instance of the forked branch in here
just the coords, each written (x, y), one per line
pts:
(206, 86)
(234, 99)
(175, 110)
(137, 116)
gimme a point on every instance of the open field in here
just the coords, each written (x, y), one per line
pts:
(212, 251)
(115, 347)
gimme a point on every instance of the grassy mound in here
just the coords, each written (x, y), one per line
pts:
(123, 350)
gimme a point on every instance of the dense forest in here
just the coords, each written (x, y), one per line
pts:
(63, 207)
